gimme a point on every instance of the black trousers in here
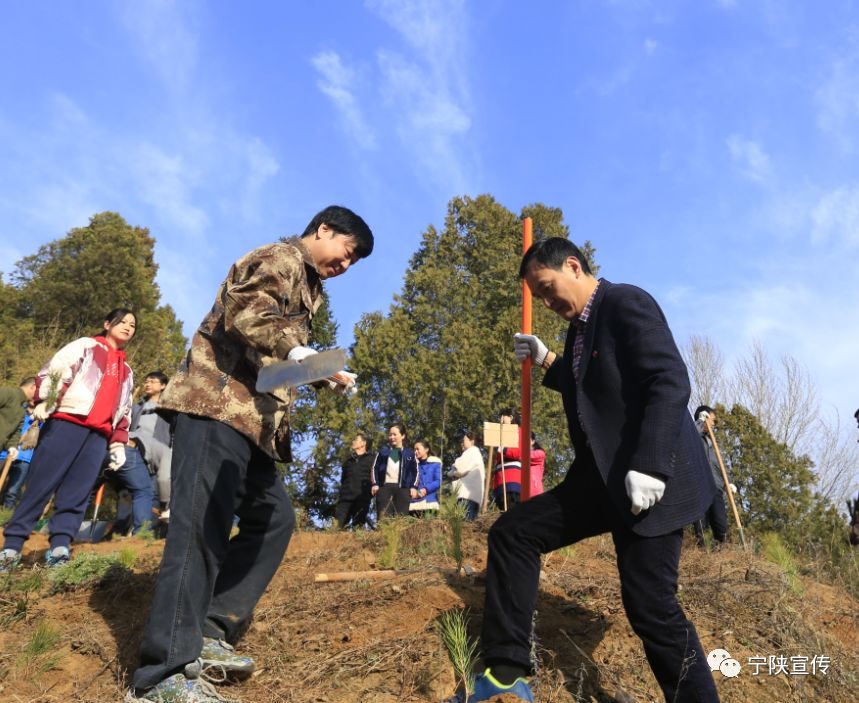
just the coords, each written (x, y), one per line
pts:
(392, 500)
(352, 511)
(209, 584)
(580, 508)
(716, 518)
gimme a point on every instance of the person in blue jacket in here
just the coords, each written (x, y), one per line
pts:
(429, 481)
(20, 465)
(395, 475)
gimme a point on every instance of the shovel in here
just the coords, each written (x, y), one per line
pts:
(291, 373)
(87, 532)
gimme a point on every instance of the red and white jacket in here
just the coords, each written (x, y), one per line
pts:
(77, 371)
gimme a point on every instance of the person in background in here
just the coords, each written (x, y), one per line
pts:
(716, 516)
(84, 397)
(353, 503)
(21, 459)
(429, 481)
(469, 477)
(12, 403)
(538, 464)
(394, 479)
(147, 453)
(152, 437)
(507, 477)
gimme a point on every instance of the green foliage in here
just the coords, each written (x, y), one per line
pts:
(453, 513)
(774, 486)
(776, 495)
(88, 569)
(6, 515)
(774, 549)
(38, 656)
(64, 290)
(392, 529)
(452, 626)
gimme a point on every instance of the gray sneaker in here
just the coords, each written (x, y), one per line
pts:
(218, 660)
(9, 559)
(178, 689)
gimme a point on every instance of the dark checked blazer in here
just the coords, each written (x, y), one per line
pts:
(630, 408)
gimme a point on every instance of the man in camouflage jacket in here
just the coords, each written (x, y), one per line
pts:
(227, 439)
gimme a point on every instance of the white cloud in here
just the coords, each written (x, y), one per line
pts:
(838, 102)
(262, 167)
(428, 91)
(165, 182)
(650, 46)
(162, 33)
(836, 217)
(752, 160)
(337, 81)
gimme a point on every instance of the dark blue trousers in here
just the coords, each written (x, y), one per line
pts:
(134, 476)
(209, 584)
(65, 464)
(17, 477)
(580, 508)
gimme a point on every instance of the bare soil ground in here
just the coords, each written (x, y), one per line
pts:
(375, 640)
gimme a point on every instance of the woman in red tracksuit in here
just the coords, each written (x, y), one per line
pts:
(84, 396)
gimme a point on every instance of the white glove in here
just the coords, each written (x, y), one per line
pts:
(299, 353)
(525, 345)
(344, 383)
(732, 487)
(117, 456)
(703, 416)
(643, 490)
(12, 453)
(41, 412)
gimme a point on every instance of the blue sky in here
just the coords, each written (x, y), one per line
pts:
(708, 148)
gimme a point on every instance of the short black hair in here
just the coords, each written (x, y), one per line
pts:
(552, 253)
(505, 412)
(345, 222)
(158, 376)
(856, 414)
(704, 408)
(32, 379)
(468, 434)
(363, 435)
(424, 444)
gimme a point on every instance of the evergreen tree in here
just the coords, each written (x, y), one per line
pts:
(64, 290)
(775, 486)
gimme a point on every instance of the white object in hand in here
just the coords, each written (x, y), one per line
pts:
(41, 412)
(299, 353)
(643, 490)
(117, 456)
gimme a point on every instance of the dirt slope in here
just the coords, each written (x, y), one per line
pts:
(375, 641)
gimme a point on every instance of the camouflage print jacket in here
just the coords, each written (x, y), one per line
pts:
(263, 309)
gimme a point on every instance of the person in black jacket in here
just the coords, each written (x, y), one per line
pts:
(640, 473)
(353, 504)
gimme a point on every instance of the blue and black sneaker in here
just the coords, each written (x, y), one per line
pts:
(487, 687)
(57, 557)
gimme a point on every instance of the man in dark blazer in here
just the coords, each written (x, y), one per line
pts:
(640, 473)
